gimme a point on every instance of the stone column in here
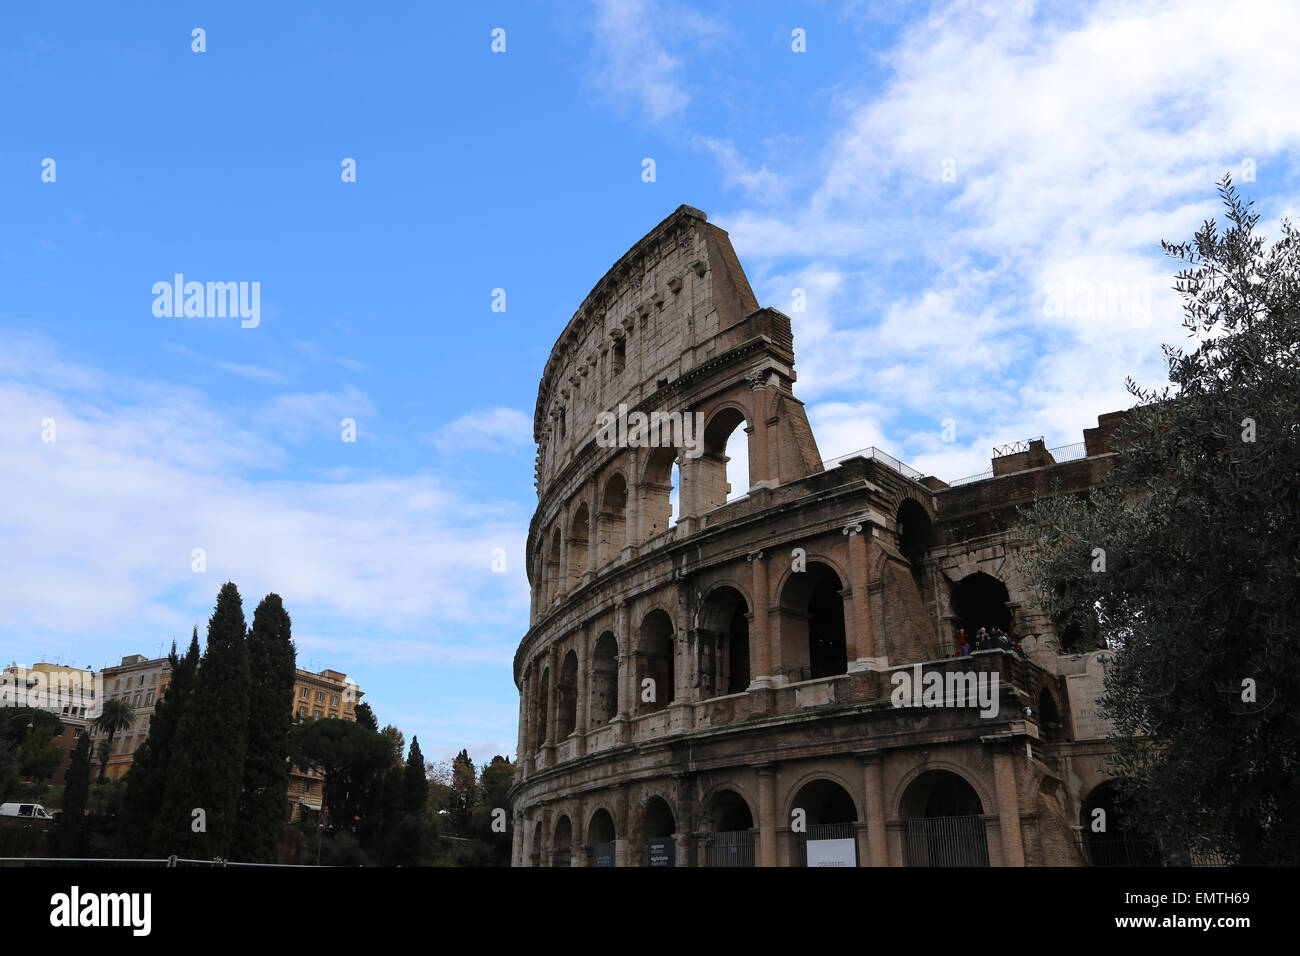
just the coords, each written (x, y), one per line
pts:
(552, 666)
(622, 825)
(529, 744)
(580, 848)
(1004, 778)
(760, 647)
(767, 815)
(548, 836)
(584, 692)
(873, 787)
(861, 547)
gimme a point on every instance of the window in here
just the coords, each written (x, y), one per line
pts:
(334, 701)
(317, 713)
(320, 696)
(304, 693)
(141, 684)
(153, 678)
(334, 714)
(137, 697)
(149, 699)
(302, 711)
(114, 685)
(620, 355)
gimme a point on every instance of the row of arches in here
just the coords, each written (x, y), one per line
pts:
(941, 812)
(667, 481)
(813, 632)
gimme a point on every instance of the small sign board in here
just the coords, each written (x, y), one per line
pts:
(602, 854)
(833, 852)
(663, 852)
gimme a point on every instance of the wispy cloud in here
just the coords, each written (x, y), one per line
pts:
(501, 430)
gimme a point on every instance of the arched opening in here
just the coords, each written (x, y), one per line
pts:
(720, 481)
(724, 643)
(566, 697)
(601, 838)
(543, 705)
(553, 568)
(811, 618)
(731, 843)
(915, 535)
(611, 523)
(537, 845)
(578, 546)
(980, 600)
(562, 852)
(1108, 837)
(655, 663)
(657, 829)
(944, 822)
(604, 681)
(830, 833)
(656, 492)
(1049, 718)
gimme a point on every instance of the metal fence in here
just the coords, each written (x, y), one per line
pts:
(825, 831)
(907, 471)
(733, 848)
(947, 841)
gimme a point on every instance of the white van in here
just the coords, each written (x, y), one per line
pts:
(33, 810)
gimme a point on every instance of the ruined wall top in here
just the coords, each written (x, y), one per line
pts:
(654, 315)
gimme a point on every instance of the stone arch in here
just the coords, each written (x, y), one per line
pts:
(719, 434)
(579, 552)
(915, 534)
(656, 660)
(562, 845)
(980, 600)
(943, 822)
(658, 822)
(1050, 721)
(655, 491)
(969, 778)
(811, 617)
(1116, 844)
(543, 705)
(797, 787)
(601, 836)
(722, 625)
(611, 522)
(727, 809)
(566, 697)
(603, 706)
(553, 567)
(829, 811)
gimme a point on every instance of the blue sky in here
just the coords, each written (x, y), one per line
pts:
(954, 186)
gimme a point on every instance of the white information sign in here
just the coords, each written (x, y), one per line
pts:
(832, 852)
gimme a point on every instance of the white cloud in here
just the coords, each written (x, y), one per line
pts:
(500, 430)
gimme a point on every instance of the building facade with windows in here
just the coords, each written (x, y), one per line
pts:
(712, 676)
(138, 681)
(328, 693)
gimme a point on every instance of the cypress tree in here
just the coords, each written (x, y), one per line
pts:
(265, 793)
(207, 766)
(415, 784)
(76, 792)
(147, 778)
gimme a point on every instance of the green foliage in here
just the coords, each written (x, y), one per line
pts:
(366, 717)
(415, 785)
(147, 779)
(396, 742)
(206, 770)
(354, 759)
(412, 842)
(1199, 522)
(76, 796)
(41, 755)
(464, 780)
(265, 789)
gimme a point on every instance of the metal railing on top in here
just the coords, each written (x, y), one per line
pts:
(907, 471)
(1060, 454)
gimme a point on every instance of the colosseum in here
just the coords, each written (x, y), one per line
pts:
(723, 683)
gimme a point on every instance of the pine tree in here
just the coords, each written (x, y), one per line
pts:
(147, 778)
(415, 784)
(76, 792)
(207, 768)
(265, 793)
